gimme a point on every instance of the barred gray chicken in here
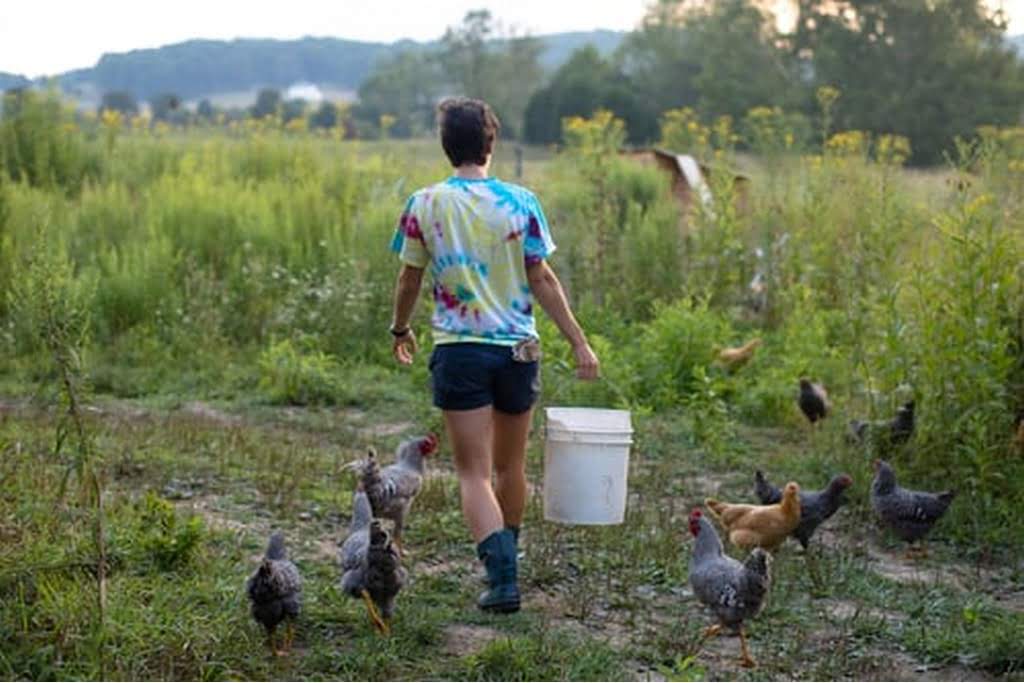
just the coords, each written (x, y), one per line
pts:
(391, 490)
(815, 506)
(370, 565)
(910, 514)
(275, 590)
(734, 591)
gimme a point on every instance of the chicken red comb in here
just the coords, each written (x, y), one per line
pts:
(428, 444)
(695, 516)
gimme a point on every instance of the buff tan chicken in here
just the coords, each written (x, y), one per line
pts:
(736, 357)
(759, 526)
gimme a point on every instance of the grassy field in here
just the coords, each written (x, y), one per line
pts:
(214, 301)
(599, 603)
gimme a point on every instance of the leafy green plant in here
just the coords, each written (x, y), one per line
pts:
(40, 144)
(295, 375)
(167, 541)
(672, 352)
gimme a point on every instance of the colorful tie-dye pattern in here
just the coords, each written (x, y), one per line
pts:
(477, 237)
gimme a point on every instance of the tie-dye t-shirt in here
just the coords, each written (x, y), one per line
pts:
(477, 237)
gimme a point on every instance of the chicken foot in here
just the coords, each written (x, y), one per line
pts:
(378, 621)
(272, 643)
(745, 659)
(709, 632)
(916, 552)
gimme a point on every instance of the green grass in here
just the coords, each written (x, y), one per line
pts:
(220, 300)
(601, 603)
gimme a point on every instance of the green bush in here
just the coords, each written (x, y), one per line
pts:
(166, 541)
(673, 352)
(40, 145)
(298, 376)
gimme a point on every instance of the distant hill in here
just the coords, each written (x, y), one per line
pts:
(8, 81)
(201, 68)
(1018, 42)
(560, 46)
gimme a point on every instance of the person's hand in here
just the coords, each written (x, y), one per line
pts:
(587, 365)
(403, 348)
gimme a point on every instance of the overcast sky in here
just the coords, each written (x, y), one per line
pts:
(40, 37)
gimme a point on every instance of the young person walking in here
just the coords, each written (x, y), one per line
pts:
(486, 243)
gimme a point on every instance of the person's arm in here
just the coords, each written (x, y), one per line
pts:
(548, 291)
(407, 290)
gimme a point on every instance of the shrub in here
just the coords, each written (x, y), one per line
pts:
(167, 542)
(298, 376)
(39, 143)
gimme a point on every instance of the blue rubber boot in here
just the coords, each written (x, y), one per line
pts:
(498, 554)
(515, 535)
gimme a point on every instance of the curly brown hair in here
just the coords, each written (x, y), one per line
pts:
(468, 130)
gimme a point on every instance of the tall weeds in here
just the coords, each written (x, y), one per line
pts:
(54, 308)
(257, 261)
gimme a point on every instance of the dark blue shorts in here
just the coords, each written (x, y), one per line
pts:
(465, 376)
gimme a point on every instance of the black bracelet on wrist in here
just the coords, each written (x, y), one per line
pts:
(400, 333)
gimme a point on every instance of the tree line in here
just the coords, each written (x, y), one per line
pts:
(928, 71)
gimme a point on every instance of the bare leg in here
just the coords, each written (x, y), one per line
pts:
(471, 432)
(745, 658)
(510, 436)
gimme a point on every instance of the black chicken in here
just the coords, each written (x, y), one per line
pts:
(885, 433)
(813, 400)
(910, 514)
(275, 590)
(815, 506)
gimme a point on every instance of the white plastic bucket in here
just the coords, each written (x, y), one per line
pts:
(586, 464)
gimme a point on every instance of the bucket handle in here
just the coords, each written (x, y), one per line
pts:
(562, 366)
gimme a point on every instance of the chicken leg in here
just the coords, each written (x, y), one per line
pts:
(745, 659)
(289, 637)
(709, 632)
(396, 535)
(272, 643)
(378, 621)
